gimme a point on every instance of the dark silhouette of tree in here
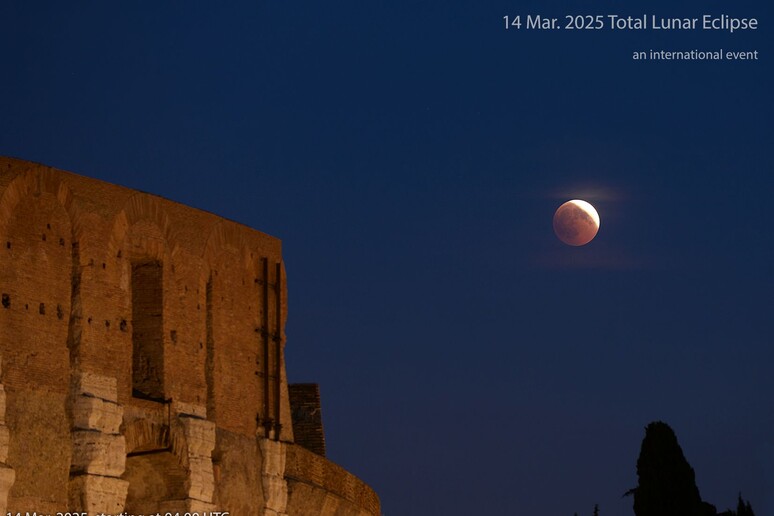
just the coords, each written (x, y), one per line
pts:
(596, 510)
(667, 483)
(743, 508)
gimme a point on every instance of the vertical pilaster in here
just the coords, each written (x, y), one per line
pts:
(99, 451)
(275, 487)
(198, 441)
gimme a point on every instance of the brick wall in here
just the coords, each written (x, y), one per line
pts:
(307, 416)
(103, 279)
(316, 482)
(166, 301)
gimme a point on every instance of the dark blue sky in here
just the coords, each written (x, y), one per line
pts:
(410, 157)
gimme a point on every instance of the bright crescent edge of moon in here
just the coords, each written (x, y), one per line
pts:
(588, 208)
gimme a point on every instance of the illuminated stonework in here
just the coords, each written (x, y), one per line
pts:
(142, 347)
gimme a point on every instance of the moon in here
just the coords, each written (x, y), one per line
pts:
(576, 222)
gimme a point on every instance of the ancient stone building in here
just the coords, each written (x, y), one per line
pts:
(142, 367)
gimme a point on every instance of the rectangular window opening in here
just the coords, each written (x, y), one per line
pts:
(147, 331)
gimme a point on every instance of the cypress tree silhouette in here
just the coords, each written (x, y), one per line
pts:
(667, 483)
(742, 508)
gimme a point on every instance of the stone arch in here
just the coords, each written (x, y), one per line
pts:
(143, 436)
(35, 182)
(154, 473)
(184, 435)
(39, 223)
(142, 207)
(36, 268)
(143, 243)
(226, 235)
(169, 467)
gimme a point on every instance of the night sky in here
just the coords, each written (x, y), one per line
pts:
(410, 157)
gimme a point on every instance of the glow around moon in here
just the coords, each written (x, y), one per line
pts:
(576, 222)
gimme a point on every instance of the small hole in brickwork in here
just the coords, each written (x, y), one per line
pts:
(61, 242)
(8, 245)
(198, 306)
(59, 312)
(42, 309)
(88, 320)
(48, 226)
(122, 325)
(107, 324)
(104, 266)
(186, 288)
(118, 255)
(201, 346)
(173, 335)
(43, 236)
(6, 301)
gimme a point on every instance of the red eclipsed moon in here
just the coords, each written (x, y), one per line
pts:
(576, 222)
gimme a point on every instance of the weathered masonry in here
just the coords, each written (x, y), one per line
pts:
(142, 360)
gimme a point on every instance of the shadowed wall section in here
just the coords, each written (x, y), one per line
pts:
(147, 330)
(142, 346)
(307, 417)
